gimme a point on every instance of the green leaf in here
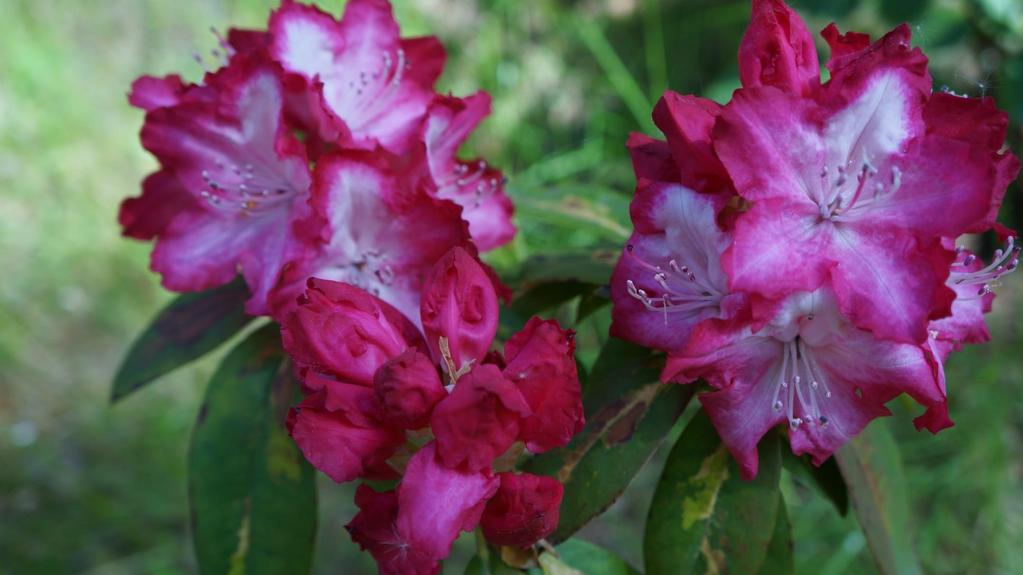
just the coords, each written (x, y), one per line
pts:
(628, 414)
(898, 11)
(584, 557)
(704, 517)
(826, 480)
(540, 298)
(252, 494)
(590, 267)
(872, 467)
(779, 560)
(191, 326)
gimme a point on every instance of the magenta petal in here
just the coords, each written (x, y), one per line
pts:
(541, 361)
(887, 281)
(472, 184)
(436, 502)
(408, 387)
(148, 92)
(669, 277)
(651, 160)
(779, 247)
(843, 44)
(337, 446)
(459, 311)
(524, 510)
(345, 331)
(777, 50)
(688, 123)
(479, 420)
(769, 141)
(856, 65)
(743, 368)
(150, 214)
(373, 529)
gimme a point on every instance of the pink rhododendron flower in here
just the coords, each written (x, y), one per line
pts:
(972, 283)
(233, 180)
(318, 149)
(852, 180)
(809, 367)
(792, 248)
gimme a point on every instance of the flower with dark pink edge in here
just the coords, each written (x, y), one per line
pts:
(438, 411)
(318, 148)
(794, 248)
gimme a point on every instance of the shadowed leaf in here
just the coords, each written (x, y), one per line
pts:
(252, 494)
(826, 480)
(779, 560)
(628, 414)
(191, 326)
(872, 468)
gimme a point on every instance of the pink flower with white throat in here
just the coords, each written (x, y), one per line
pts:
(318, 149)
(669, 277)
(853, 180)
(233, 180)
(808, 367)
(375, 84)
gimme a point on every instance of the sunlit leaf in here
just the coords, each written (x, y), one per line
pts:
(704, 517)
(580, 557)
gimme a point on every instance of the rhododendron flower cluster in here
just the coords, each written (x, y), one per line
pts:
(444, 412)
(795, 248)
(319, 148)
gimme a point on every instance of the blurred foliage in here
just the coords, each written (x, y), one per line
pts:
(89, 488)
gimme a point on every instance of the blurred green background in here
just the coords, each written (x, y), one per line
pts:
(90, 488)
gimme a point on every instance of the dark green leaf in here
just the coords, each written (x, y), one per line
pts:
(899, 11)
(779, 560)
(704, 517)
(826, 479)
(540, 298)
(191, 326)
(591, 267)
(628, 414)
(253, 495)
(872, 468)
(591, 302)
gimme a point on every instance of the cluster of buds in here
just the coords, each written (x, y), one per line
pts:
(445, 413)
